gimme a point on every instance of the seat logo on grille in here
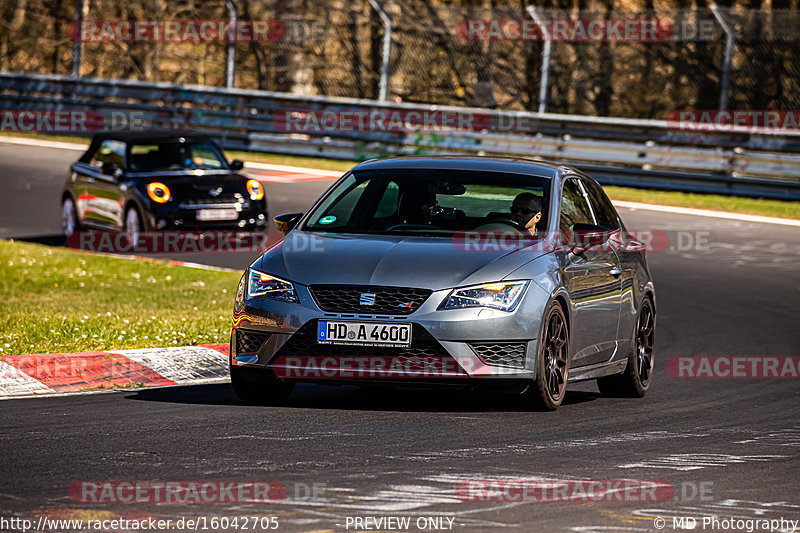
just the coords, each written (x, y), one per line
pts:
(367, 298)
(215, 192)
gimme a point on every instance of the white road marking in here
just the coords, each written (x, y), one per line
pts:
(187, 364)
(698, 461)
(707, 213)
(782, 437)
(289, 178)
(44, 144)
(297, 170)
(184, 365)
(14, 382)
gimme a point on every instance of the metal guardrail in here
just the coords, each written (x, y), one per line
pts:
(639, 153)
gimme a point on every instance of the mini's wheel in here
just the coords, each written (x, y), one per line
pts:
(133, 223)
(69, 217)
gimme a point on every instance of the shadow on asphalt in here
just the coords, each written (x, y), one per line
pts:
(48, 240)
(350, 398)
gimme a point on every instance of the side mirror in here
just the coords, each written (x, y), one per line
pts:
(109, 169)
(287, 221)
(587, 236)
(236, 165)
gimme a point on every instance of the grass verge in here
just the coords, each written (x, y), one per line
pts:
(58, 300)
(713, 202)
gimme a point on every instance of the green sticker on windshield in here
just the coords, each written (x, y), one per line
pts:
(330, 219)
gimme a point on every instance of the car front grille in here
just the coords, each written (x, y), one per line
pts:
(211, 200)
(249, 342)
(369, 299)
(501, 353)
(304, 343)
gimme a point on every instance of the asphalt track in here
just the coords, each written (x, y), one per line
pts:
(405, 453)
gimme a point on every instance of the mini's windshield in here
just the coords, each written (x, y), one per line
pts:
(175, 156)
(429, 202)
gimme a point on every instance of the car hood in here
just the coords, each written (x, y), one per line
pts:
(423, 262)
(186, 184)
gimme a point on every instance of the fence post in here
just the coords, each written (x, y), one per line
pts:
(383, 84)
(230, 51)
(730, 42)
(77, 43)
(544, 80)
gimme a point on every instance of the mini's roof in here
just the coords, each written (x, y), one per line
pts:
(148, 135)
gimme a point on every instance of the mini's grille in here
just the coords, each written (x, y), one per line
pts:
(357, 298)
(304, 342)
(221, 199)
(502, 353)
(249, 342)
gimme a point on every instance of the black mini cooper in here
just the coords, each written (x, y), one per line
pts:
(159, 180)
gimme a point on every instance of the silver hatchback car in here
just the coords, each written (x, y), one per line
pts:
(464, 271)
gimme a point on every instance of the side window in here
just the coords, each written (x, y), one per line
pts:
(574, 207)
(603, 210)
(336, 211)
(389, 202)
(110, 151)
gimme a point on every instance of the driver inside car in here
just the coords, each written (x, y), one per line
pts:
(526, 209)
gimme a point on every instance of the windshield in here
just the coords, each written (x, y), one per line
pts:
(176, 156)
(431, 202)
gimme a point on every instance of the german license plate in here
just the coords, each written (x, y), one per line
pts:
(206, 215)
(363, 333)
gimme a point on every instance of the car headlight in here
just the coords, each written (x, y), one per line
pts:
(255, 189)
(260, 284)
(158, 192)
(500, 295)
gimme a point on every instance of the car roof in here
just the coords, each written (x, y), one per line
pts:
(494, 164)
(141, 136)
(148, 135)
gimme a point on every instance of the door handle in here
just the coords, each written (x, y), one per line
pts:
(616, 272)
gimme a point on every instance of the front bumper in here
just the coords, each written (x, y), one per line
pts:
(251, 216)
(447, 346)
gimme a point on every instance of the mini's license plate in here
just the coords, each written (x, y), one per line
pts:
(205, 215)
(363, 333)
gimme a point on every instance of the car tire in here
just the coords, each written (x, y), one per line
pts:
(69, 217)
(259, 387)
(133, 224)
(552, 362)
(635, 381)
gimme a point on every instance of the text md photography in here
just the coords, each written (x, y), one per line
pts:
(414, 266)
